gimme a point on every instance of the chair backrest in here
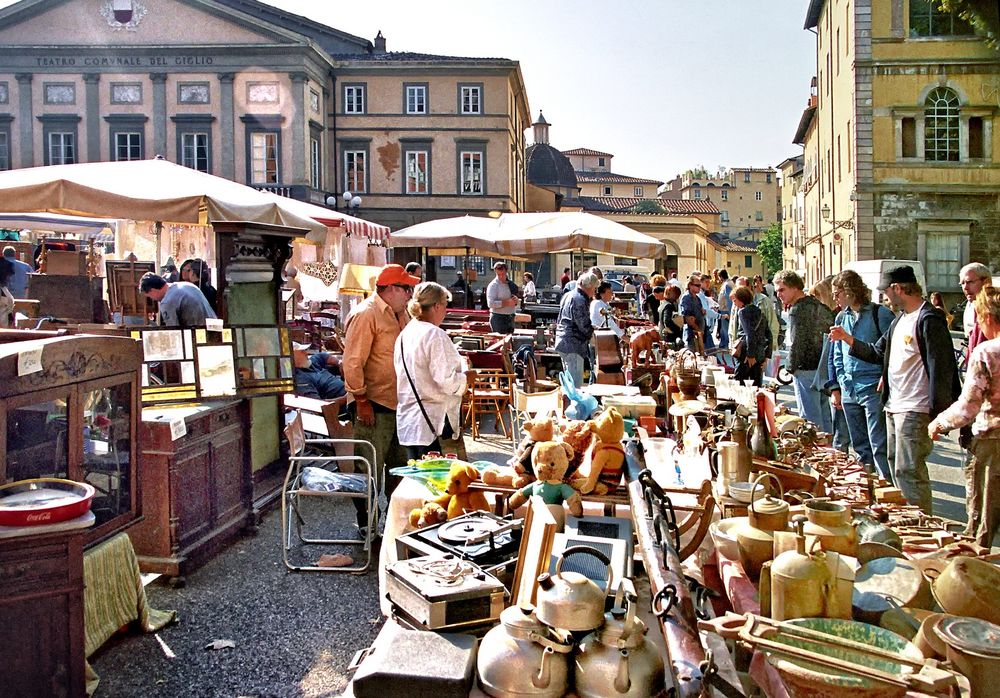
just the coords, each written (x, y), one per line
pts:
(295, 434)
(335, 426)
(549, 401)
(486, 359)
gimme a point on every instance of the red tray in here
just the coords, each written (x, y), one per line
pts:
(43, 501)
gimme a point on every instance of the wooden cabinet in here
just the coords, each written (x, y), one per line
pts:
(197, 488)
(41, 616)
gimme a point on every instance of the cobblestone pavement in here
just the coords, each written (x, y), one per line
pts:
(295, 633)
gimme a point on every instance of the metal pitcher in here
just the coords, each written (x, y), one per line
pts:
(523, 657)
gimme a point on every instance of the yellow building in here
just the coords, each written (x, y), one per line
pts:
(792, 210)
(595, 177)
(904, 139)
(747, 197)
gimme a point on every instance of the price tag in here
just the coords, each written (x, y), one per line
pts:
(326, 322)
(29, 361)
(213, 324)
(178, 428)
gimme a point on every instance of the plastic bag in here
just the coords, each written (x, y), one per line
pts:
(322, 480)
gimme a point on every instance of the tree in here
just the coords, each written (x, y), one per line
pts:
(770, 249)
(983, 15)
(647, 206)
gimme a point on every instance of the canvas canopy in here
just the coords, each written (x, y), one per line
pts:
(158, 190)
(460, 235)
(526, 234)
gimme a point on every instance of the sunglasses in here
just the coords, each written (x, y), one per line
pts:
(408, 289)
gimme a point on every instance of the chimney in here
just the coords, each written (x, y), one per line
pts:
(540, 129)
(379, 43)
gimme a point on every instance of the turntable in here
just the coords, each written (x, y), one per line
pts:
(486, 539)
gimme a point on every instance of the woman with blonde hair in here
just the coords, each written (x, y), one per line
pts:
(979, 405)
(431, 376)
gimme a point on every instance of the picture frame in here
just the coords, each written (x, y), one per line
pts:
(264, 361)
(186, 364)
(124, 297)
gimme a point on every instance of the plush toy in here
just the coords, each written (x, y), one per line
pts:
(601, 470)
(506, 476)
(429, 514)
(542, 428)
(550, 459)
(577, 434)
(457, 500)
(581, 405)
(643, 341)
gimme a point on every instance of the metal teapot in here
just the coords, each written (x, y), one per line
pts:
(523, 657)
(618, 659)
(755, 538)
(571, 601)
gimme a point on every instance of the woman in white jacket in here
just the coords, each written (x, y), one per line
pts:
(431, 376)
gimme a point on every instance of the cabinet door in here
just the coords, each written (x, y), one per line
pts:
(229, 474)
(190, 492)
(37, 650)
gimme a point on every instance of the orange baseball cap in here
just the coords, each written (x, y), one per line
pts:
(394, 275)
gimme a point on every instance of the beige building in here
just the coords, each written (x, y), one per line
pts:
(596, 178)
(900, 145)
(252, 93)
(792, 213)
(747, 197)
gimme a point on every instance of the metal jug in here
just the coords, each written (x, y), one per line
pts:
(831, 523)
(523, 657)
(571, 601)
(755, 538)
(811, 584)
(728, 462)
(618, 659)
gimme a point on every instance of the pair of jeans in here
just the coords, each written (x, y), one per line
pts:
(502, 324)
(987, 457)
(866, 423)
(723, 323)
(841, 432)
(908, 444)
(813, 405)
(388, 454)
(573, 364)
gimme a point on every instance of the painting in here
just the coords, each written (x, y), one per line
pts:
(216, 370)
(163, 345)
(261, 341)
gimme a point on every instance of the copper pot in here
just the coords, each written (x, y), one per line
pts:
(968, 587)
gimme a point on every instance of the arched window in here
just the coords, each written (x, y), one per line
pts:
(941, 125)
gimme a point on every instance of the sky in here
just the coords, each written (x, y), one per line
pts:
(663, 85)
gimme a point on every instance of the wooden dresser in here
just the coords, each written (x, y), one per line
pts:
(41, 615)
(197, 488)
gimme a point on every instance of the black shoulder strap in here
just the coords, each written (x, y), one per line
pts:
(876, 310)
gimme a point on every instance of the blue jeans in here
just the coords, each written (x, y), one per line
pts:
(866, 422)
(723, 324)
(502, 324)
(908, 444)
(573, 364)
(813, 405)
(841, 432)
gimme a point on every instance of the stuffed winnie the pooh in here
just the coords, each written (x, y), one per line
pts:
(458, 499)
(550, 460)
(601, 469)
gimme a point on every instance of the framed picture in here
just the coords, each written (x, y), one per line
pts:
(185, 365)
(124, 296)
(216, 370)
(264, 363)
(163, 345)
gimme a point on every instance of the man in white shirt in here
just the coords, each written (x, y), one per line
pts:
(501, 300)
(919, 379)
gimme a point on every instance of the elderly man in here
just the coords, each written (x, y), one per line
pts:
(370, 374)
(182, 304)
(502, 300)
(574, 328)
(972, 278)
(18, 282)
(808, 321)
(313, 377)
(919, 379)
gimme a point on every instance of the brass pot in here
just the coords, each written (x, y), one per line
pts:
(831, 523)
(756, 538)
(968, 587)
(973, 645)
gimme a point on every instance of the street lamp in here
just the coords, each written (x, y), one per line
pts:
(825, 212)
(352, 202)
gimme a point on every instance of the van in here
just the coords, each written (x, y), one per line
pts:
(872, 270)
(620, 271)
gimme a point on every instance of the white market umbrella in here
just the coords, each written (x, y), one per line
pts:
(525, 234)
(468, 234)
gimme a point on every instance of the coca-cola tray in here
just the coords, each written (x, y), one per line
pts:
(43, 501)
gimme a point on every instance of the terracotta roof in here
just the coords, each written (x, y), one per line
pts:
(586, 151)
(804, 121)
(668, 207)
(413, 57)
(752, 169)
(744, 246)
(587, 176)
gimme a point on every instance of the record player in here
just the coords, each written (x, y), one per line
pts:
(444, 592)
(484, 538)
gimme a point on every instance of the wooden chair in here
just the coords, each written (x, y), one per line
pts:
(364, 485)
(491, 393)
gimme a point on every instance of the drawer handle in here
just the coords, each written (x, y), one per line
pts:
(224, 417)
(16, 571)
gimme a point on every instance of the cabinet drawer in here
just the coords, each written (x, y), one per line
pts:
(224, 418)
(198, 426)
(34, 568)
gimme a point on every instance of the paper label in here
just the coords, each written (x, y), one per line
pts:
(213, 324)
(178, 428)
(29, 361)
(326, 322)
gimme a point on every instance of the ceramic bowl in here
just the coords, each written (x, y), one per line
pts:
(740, 491)
(804, 678)
(723, 534)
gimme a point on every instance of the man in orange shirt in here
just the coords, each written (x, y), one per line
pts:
(369, 372)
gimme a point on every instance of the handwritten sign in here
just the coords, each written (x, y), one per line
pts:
(213, 324)
(29, 361)
(178, 428)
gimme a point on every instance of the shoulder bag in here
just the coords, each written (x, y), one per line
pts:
(449, 440)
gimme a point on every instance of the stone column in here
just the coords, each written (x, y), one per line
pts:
(227, 135)
(24, 114)
(93, 122)
(159, 115)
(298, 129)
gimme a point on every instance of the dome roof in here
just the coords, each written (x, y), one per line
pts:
(548, 166)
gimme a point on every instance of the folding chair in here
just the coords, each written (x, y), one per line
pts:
(491, 393)
(295, 493)
(526, 405)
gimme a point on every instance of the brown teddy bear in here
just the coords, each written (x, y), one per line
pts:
(550, 460)
(601, 470)
(520, 473)
(577, 434)
(458, 499)
(429, 514)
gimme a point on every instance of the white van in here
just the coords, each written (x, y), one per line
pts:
(871, 271)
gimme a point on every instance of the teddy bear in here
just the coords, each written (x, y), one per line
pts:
(550, 460)
(519, 472)
(457, 499)
(429, 514)
(601, 470)
(643, 341)
(576, 433)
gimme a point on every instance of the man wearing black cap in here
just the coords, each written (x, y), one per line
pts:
(919, 379)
